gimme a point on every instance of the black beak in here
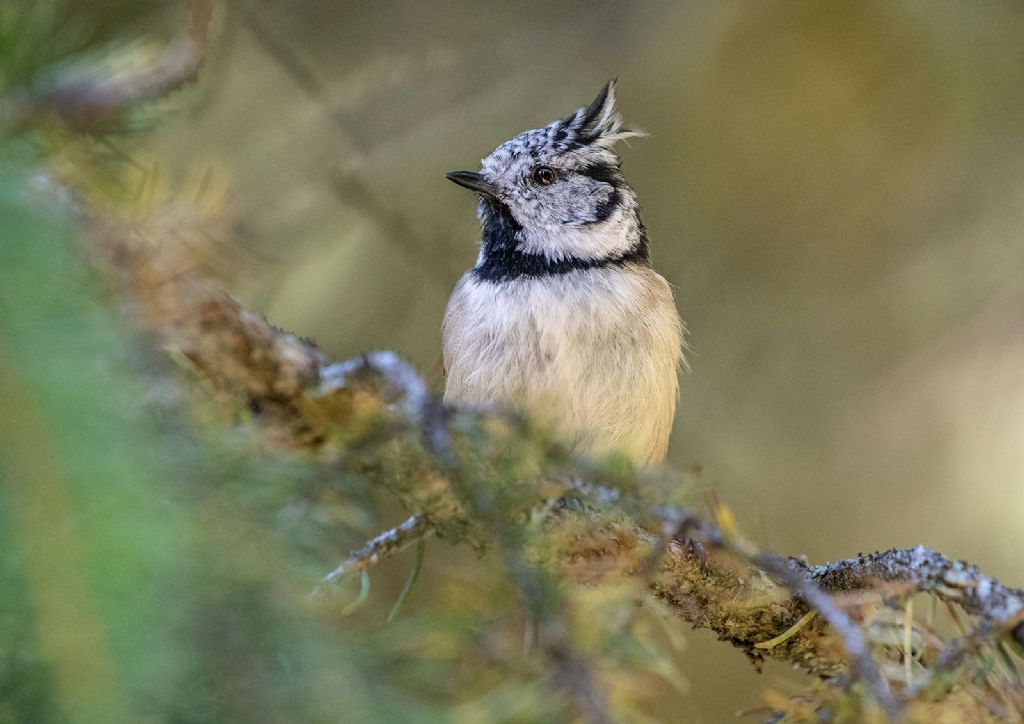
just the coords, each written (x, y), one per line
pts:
(473, 182)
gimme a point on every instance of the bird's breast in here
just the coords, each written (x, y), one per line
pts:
(592, 354)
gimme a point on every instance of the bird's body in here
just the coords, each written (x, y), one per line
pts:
(562, 317)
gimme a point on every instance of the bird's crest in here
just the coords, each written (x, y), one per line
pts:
(599, 123)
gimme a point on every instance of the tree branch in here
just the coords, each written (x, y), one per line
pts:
(707, 576)
(997, 605)
(383, 546)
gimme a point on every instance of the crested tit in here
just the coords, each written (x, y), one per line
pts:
(562, 317)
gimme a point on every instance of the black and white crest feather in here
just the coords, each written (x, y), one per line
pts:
(599, 123)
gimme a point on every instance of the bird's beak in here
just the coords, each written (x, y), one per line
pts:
(473, 182)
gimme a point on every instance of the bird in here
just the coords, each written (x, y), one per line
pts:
(562, 318)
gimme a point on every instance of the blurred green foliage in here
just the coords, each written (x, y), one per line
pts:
(143, 570)
(33, 35)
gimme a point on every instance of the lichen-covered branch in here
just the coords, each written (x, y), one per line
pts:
(998, 606)
(709, 577)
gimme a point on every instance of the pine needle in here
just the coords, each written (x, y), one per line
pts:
(417, 566)
(788, 633)
(364, 591)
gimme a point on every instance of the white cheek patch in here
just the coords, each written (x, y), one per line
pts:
(612, 237)
(575, 202)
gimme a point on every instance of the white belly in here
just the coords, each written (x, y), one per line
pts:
(592, 355)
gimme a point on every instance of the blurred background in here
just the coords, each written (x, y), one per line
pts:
(836, 191)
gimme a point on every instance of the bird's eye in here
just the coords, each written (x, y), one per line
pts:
(544, 175)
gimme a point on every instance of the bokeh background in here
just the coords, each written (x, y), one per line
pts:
(836, 191)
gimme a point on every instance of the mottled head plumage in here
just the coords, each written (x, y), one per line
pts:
(553, 199)
(586, 136)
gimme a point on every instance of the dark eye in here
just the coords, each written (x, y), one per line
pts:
(544, 175)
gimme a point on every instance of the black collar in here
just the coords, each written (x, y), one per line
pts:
(501, 260)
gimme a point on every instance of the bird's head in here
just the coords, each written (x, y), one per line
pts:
(556, 196)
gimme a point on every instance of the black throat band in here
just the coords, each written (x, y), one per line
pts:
(501, 260)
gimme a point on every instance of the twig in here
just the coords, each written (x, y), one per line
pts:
(793, 574)
(863, 664)
(383, 546)
(926, 570)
